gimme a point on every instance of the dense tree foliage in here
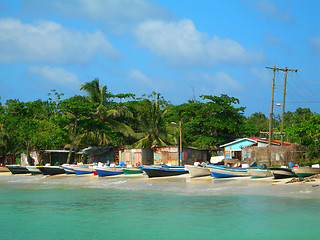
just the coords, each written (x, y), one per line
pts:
(100, 118)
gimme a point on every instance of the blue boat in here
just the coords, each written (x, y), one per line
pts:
(164, 171)
(108, 171)
(226, 172)
(83, 169)
(68, 169)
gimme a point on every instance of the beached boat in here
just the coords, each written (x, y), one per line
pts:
(132, 170)
(164, 171)
(68, 168)
(108, 171)
(280, 172)
(82, 169)
(33, 170)
(305, 171)
(197, 171)
(17, 169)
(4, 169)
(259, 173)
(226, 172)
(51, 170)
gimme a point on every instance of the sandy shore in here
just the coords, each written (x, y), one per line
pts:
(182, 184)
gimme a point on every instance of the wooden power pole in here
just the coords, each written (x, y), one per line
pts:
(285, 70)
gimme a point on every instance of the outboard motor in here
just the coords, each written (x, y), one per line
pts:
(263, 166)
(253, 164)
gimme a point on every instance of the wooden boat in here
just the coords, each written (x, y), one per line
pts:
(197, 171)
(51, 170)
(4, 169)
(226, 172)
(33, 170)
(132, 170)
(164, 171)
(279, 172)
(17, 169)
(259, 173)
(305, 171)
(68, 169)
(108, 171)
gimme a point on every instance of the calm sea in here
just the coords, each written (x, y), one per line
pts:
(38, 207)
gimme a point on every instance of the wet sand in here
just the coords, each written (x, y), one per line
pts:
(182, 184)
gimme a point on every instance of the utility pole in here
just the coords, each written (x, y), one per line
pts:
(285, 70)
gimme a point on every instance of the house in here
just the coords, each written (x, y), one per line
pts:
(134, 157)
(170, 155)
(106, 154)
(233, 151)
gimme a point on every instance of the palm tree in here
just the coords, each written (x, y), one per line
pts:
(106, 111)
(153, 130)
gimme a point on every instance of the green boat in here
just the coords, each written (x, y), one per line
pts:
(132, 170)
(305, 171)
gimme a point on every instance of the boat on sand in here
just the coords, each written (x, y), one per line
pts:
(259, 173)
(103, 171)
(197, 171)
(281, 172)
(17, 169)
(164, 171)
(305, 171)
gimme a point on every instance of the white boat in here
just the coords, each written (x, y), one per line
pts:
(197, 171)
(33, 170)
(305, 171)
(259, 173)
(281, 172)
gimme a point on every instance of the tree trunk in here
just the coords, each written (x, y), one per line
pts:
(73, 139)
(29, 158)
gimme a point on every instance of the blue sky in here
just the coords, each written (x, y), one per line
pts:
(181, 49)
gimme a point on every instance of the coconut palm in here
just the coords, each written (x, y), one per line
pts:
(152, 128)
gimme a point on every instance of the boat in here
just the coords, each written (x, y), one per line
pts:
(17, 169)
(259, 173)
(4, 169)
(51, 170)
(226, 172)
(33, 170)
(103, 171)
(305, 171)
(132, 170)
(164, 171)
(68, 169)
(82, 169)
(198, 171)
(281, 172)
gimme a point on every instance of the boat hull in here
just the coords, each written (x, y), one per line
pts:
(259, 173)
(197, 171)
(17, 169)
(305, 171)
(4, 169)
(68, 169)
(108, 171)
(279, 173)
(80, 170)
(33, 170)
(227, 173)
(164, 172)
(51, 170)
(128, 171)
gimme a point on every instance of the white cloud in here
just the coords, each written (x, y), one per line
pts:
(117, 15)
(271, 11)
(139, 77)
(182, 44)
(50, 42)
(315, 45)
(56, 75)
(220, 82)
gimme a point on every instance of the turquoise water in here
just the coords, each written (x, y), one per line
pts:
(87, 208)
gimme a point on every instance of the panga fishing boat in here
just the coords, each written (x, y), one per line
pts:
(108, 171)
(198, 171)
(17, 169)
(33, 170)
(68, 168)
(4, 169)
(281, 172)
(226, 172)
(82, 169)
(305, 171)
(51, 170)
(132, 170)
(164, 171)
(259, 173)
